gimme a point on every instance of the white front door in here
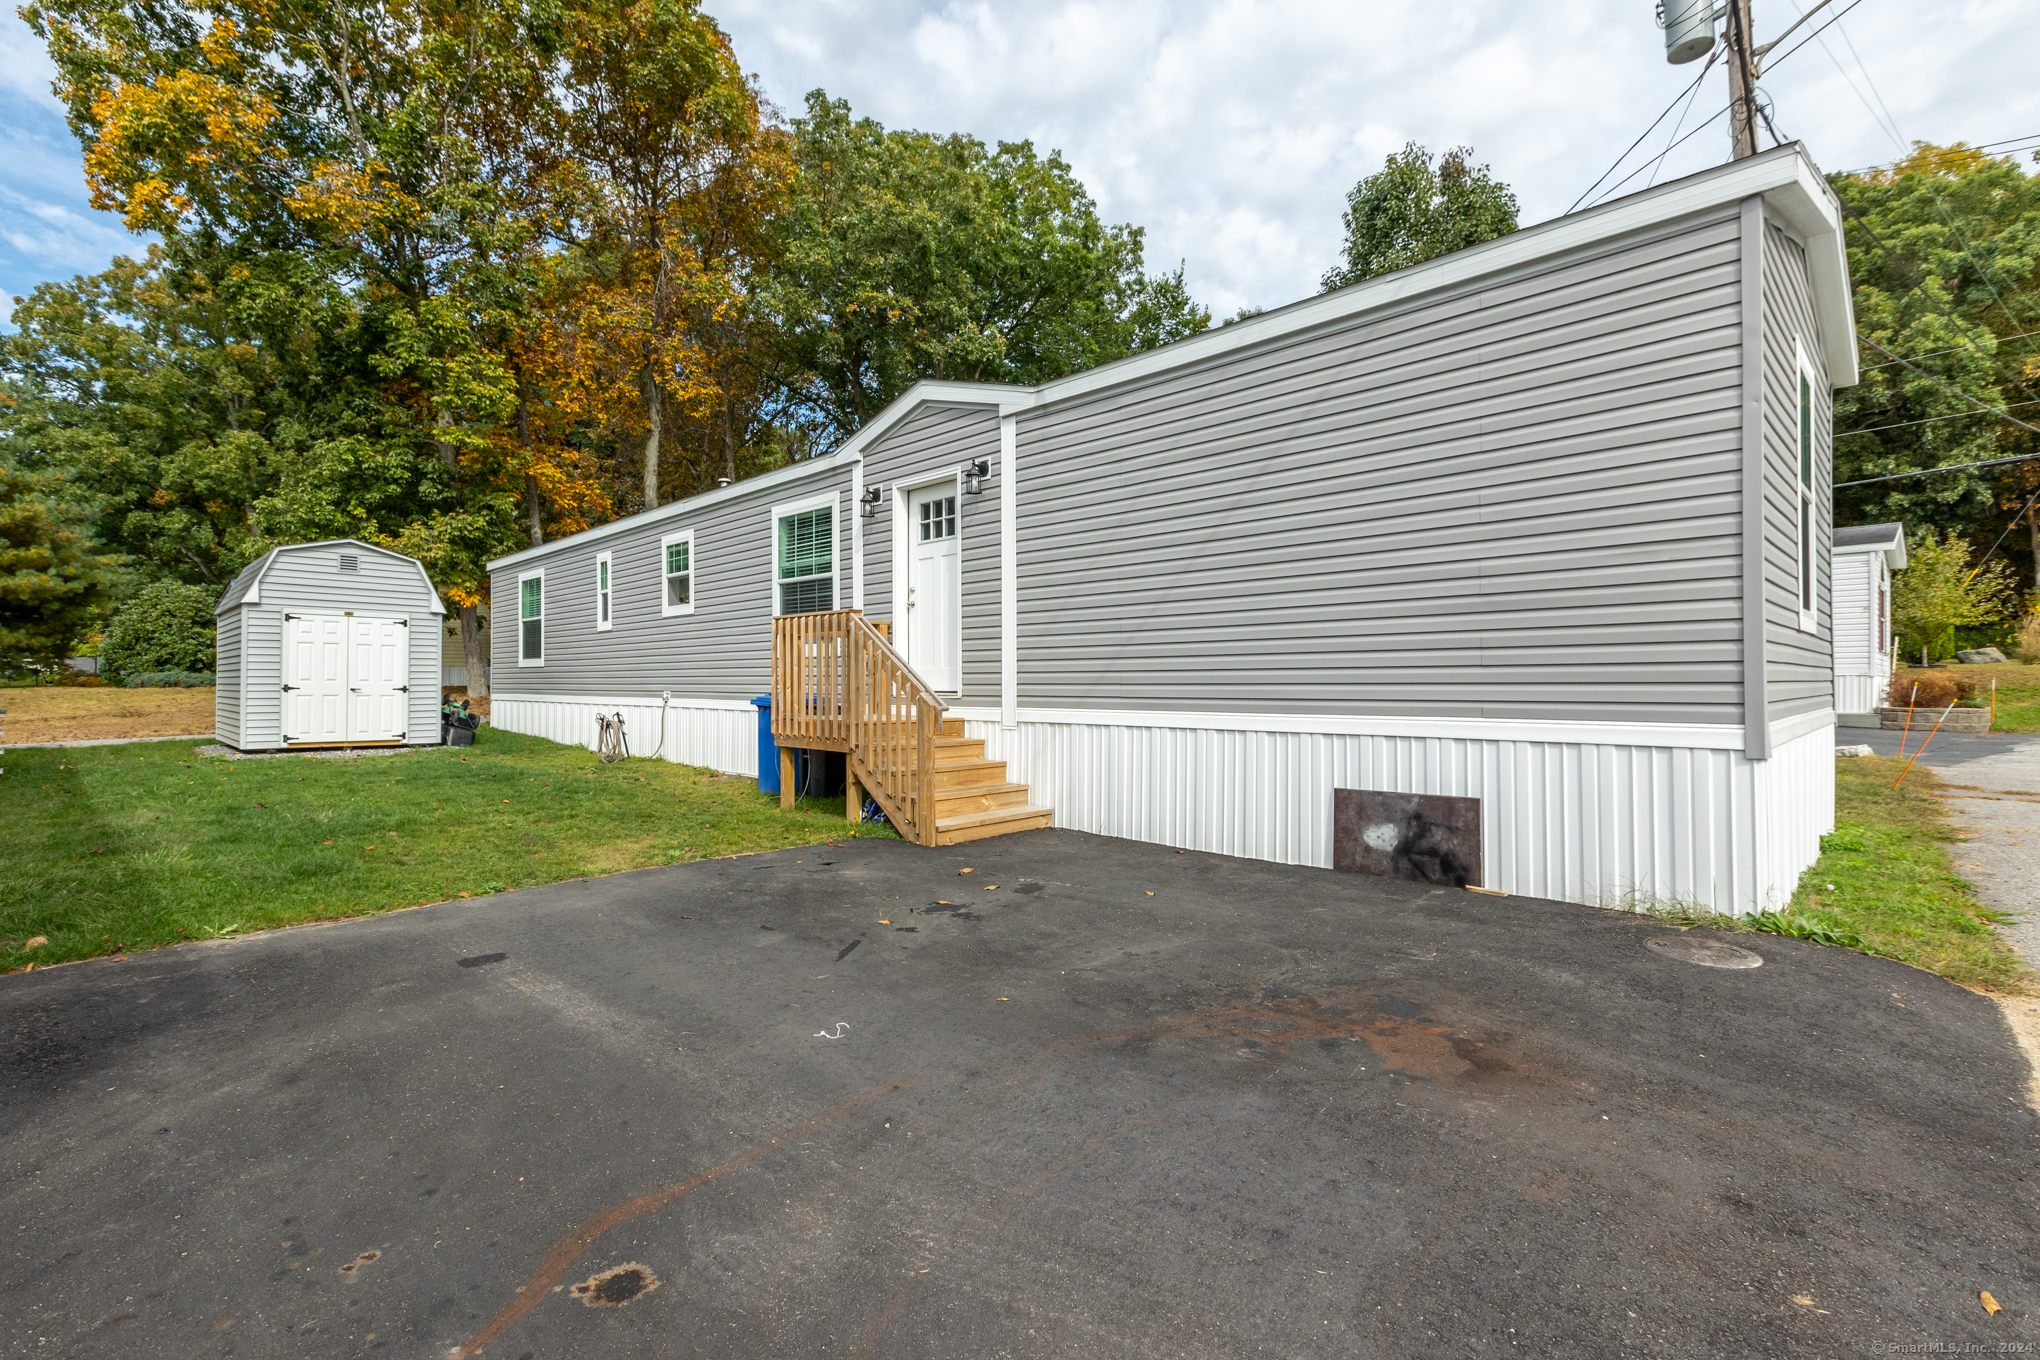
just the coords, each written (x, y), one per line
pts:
(378, 679)
(315, 678)
(934, 588)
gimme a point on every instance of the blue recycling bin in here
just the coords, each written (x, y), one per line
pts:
(768, 750)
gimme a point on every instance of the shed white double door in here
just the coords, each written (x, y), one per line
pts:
(345, 679)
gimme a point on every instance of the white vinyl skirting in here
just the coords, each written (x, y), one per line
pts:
(714, 733)
(1599, 822)
(1860, 693)
(1591, 822)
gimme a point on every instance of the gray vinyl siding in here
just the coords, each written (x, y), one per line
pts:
(723, 650)
(1516, 500)
(1799, 666)
(307, 580)
(930, 443)
(227, 675)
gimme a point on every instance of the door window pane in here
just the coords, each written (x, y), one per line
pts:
(938, 519)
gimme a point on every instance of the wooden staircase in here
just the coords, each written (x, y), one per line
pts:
(837, 685)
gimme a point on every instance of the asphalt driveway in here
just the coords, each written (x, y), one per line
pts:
(1092, 1098)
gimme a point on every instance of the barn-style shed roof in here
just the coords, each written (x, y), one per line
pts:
(247, 587)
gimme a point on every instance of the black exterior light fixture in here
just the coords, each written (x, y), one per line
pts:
(974, 474)
(868, 502)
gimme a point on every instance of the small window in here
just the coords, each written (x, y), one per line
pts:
(602, 616)
(676, 569)
(807, 561)
(1805, 506)
(938, 519)
(531, 620)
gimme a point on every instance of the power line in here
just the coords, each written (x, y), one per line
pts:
(1928, 472)
(1977, 401)
(1928, 420)
(1935, 353)
(1646, 132)
(1960, 325)
(1720, 112)
(2029, 141)
(1834, 18)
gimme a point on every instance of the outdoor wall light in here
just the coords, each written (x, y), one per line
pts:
(974, 474)
(869, 502)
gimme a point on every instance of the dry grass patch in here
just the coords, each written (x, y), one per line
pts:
(64, 713)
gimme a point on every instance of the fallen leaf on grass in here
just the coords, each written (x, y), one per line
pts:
(1990, 1305)
(37, 942)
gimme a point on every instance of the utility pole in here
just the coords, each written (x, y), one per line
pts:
(1742, 81)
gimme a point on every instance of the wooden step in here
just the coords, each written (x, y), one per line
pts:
(975, 826)
(951, 727)
(958, 774)
(978, 798)
(958, 748)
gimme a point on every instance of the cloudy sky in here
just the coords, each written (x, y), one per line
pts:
(1231, 129)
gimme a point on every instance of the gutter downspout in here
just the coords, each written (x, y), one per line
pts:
(1755, 541)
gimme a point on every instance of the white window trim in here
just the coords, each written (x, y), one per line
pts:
(829, 501)
(604, 594)
(1805, 503)
(522, 577)
(686, 536)
(903, 493)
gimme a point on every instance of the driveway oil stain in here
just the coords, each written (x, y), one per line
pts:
(481, 960)
(616, 1286)
(366, 1258)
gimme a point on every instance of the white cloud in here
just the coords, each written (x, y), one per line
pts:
(1232, 129)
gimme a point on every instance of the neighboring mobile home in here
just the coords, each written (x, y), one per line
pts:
(318, 646)
(1865, 557)
(1543, 522)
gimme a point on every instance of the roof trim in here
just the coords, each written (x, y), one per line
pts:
(1891, 543)
(253, 594)
(849, 453)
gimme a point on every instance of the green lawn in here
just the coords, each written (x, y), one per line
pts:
(1885, 878)
(117, 848)
(2018, 694)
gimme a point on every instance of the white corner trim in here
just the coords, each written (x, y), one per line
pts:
(857, 535)
(605, 594)
(1009, 570)
(670, 611)
(1689, 736)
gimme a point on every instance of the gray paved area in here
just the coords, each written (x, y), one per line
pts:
(1264, 1111)
(1992, 784)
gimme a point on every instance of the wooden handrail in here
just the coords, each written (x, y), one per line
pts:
(837, 685)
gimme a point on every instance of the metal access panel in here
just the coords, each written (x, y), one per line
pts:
(1417, 837)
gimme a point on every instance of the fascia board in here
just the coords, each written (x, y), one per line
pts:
(1808, 208)
(680, 509)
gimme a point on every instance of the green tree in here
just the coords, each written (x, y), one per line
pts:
(51, 579)
(165, 626)
(1943, 247)
(1940, 591)
(906, 255)
(1412, 210)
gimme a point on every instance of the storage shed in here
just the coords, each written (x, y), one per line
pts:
(1865, 557)
(318, 645)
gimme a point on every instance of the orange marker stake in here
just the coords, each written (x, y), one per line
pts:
(1923, 746)
(1993, 705)
(1908, 723)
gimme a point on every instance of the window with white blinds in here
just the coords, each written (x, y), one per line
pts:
(531, 620)
(807, 560)
(676, 569)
